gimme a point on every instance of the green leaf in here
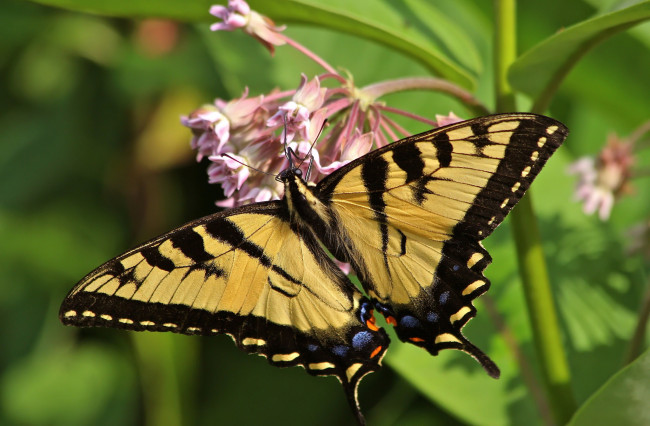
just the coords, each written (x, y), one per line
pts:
(401, 26)
(623, 400)
(189, 11)
(540, 71)
(65, 387)
(394, 24)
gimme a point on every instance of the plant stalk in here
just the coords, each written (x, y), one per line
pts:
(555, 371)
(158, 375)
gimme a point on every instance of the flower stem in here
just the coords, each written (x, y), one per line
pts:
(639, 132)
(532, 264)
(386, 108)
(429, 83)
(311, 55)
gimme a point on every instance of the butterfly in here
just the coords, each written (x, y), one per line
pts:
(408, 217)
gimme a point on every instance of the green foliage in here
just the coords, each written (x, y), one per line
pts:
(622, 400)
(540, 71)
(95, 376)
(93, 160)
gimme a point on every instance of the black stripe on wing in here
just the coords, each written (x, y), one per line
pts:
(532, 143)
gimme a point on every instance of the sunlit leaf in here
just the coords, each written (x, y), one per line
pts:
(541, 70)
(623, 400)
(402, 26)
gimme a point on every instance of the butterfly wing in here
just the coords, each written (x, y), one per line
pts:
(410, 218)
(245, 272)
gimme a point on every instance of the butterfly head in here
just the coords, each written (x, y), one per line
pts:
(289, 174)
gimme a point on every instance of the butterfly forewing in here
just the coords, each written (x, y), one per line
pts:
(411, 217)
(249, 273)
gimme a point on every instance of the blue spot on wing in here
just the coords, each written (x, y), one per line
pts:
(432, 317)
(340, 350)
(444, 297)
(361, 339)
(409, 321)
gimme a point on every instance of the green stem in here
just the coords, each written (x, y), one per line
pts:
(158, 376)
(542, 313)
(532, 264)
(505, 53)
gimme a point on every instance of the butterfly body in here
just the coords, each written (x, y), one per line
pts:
(408, 217)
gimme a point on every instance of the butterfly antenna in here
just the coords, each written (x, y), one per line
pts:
(311, 148)
(287, 151)
(311, 163)
(246, 165)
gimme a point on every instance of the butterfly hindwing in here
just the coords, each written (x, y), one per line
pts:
(249, 273)
(410, 218)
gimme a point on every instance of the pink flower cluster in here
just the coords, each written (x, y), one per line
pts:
(244, 139)
(604, 179)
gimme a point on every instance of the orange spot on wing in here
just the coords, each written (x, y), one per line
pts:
(416, 339)
(376, 351)
(371, 324)
(391, 320)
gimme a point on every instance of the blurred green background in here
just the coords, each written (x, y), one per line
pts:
(93, 160)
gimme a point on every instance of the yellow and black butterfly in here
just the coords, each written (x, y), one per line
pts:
(409, 218)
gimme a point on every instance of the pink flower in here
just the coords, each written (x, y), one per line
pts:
(309, 93)
(587, 190)
(240, 111)
(304, 150)
(217, 128)
(263, 190)
(210, 130)
(238, 14)
(295, 114)
(229, 171)
(601, 181)
(234, 16)
(359, 145)
(444, 120)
